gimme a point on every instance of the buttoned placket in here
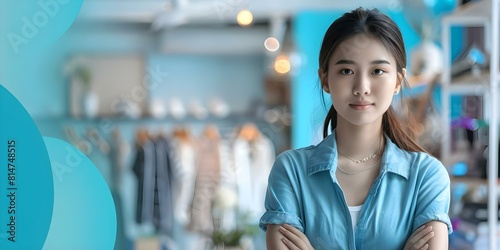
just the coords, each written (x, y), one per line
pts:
(356, 242)
(367, 206)
(340, 193)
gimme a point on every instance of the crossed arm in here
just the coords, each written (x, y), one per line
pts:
(433, 235)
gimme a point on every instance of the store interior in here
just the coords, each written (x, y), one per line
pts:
(222, 87)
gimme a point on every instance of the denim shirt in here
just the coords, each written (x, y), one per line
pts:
(410, 190)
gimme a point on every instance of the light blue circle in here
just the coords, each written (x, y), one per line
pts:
(32, 25)
(26, 185)
(84, 212)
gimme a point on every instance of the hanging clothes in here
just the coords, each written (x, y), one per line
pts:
(163, 210)
(207, 180)
(227, 194)
(144, 168)
(154, 167)
(186, 155)
(253, 156)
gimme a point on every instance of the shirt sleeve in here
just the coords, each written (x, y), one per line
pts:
(433, 200)
(281, 202)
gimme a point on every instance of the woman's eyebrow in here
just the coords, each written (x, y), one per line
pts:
(381, 62)
(344, 61)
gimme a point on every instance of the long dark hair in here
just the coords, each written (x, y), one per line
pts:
(375, 24)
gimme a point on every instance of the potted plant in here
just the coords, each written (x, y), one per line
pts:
(231, 240)
(224, 237)
(81, 75)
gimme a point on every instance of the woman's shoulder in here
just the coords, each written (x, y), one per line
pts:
(424, 159)
(413, 163)
(409, 158)
(425, 165)
(296, 154)
(295, 158)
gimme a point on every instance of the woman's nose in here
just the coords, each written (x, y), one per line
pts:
(362, 86)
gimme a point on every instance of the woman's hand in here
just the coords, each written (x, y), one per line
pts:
(418, 240)
(294, 239)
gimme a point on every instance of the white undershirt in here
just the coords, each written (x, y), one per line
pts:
(354, 211)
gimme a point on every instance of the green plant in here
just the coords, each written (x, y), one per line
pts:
(83, 74)
(77, 69)
(232, 238)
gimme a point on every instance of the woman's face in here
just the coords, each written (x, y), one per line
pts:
(361, 80)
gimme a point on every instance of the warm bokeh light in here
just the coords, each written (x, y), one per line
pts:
(272, 44)
(282, 64)
(244, 18)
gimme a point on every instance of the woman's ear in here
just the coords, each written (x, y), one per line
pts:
(401, 77)
(323, 77)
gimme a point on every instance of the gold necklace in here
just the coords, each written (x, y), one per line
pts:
(359, 171)
(365, 159)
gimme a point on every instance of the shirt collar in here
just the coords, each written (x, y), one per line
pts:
(394, 160)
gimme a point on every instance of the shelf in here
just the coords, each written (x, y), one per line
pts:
(469, 84)
(468, 89)
(468, 180)
(234, 118)
(477, 12)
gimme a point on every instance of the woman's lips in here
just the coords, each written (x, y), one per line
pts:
(361, 106)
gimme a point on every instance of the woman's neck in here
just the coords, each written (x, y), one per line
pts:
(358, 142)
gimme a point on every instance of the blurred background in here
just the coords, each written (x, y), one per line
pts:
(183, 105)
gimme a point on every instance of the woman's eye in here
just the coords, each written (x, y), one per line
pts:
(346, 72)
(378, 72)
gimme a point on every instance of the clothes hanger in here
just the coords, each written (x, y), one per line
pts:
(249, 132)
(211, 132)
(141, 136)
(95, 137)
(83, 145)
(182, 134)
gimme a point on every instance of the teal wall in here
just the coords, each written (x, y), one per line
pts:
(234, 78)
(41, 79)
(43, 89)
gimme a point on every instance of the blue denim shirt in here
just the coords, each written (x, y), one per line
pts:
(410, 190)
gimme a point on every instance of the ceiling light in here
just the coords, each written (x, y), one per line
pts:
(244, 18)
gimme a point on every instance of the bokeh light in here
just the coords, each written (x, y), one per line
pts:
(244, 18)
(282, 64)
(271, 44)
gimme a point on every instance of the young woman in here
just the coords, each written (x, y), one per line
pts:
(367, 185)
